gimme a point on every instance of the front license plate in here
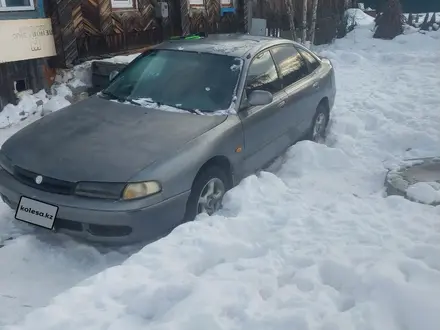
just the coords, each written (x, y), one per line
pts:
(36, 212)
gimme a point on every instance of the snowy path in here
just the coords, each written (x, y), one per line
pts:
(313, 246)
(36, 266)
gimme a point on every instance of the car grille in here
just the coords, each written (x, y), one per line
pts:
(49, 184)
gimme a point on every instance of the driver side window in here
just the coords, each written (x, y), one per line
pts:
(262, 75)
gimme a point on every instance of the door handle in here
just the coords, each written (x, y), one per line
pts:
(315, 84)
(281, 104)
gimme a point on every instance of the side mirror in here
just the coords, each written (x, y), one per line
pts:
(260, 97)
(112, 75)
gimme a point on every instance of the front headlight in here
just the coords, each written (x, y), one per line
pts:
(141, 189)
(117, 191)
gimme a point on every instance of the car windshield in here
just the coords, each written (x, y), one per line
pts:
(181, 79)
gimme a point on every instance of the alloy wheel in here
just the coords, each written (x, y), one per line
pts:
(210, 199)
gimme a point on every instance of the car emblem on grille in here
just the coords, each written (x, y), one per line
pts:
(38, 179)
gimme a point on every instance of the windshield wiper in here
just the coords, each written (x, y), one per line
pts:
(127, 99)
(119, 98)
(196, 112)
(190, 110)
(159, 104)
(133, 102)
(112, 96)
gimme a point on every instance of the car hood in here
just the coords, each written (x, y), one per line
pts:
(103, 141)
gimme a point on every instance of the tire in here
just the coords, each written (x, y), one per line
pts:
(200, 183)
(322, 115)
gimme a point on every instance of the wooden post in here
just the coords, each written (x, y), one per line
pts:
(247, 15)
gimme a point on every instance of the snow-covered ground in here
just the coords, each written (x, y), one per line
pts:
(35, 266)
(313, 244)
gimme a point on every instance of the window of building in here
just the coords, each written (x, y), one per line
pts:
(200, 3)
(20, 85)
(16, 5)
(126, 4)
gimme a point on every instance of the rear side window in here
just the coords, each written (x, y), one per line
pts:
(263, 75)
(292, 65)
(312, 62)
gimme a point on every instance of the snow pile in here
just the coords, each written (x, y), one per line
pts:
(31, 106)
(79, 76)
(425, 192)
(313, 245)
(358, 17)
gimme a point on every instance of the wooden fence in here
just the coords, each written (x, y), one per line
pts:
(426, 22)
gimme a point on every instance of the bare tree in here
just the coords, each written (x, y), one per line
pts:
(290, 5)
(313, 25)
(304, 23)
(184, 13)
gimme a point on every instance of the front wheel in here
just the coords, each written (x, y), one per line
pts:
(207, 193)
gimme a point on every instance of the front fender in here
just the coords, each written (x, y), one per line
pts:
(176, 173)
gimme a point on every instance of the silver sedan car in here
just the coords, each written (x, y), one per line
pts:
(174, 130)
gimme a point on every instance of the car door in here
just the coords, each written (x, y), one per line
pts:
(264, 127)
(299, 87)
(315, 78)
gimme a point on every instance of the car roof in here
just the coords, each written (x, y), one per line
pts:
(234, 44)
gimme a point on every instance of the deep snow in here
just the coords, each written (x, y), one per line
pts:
(313, 244)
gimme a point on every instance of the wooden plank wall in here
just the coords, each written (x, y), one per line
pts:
(87, 28)
(80, 23)
(210, 20)
(31, 71)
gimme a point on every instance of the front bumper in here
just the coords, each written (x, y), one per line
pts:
(107, 222)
